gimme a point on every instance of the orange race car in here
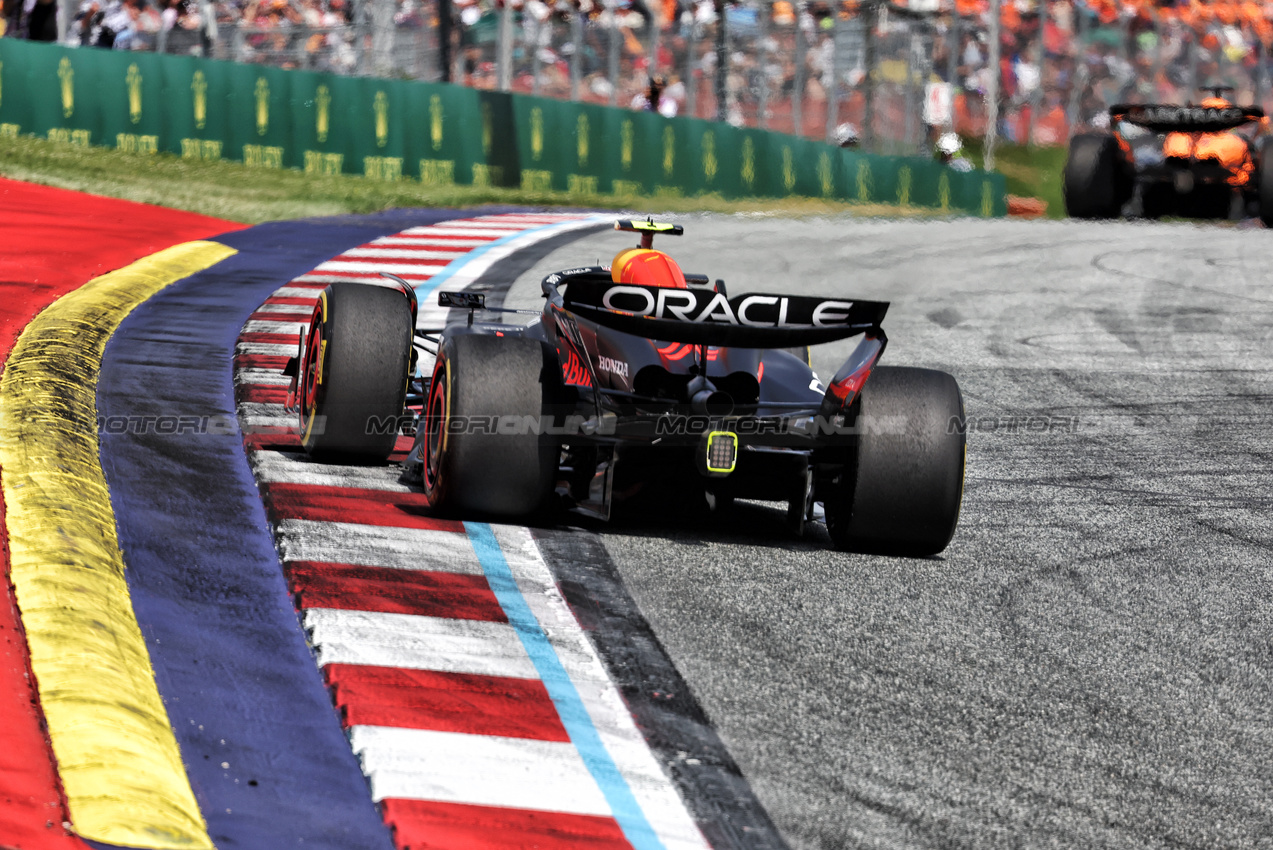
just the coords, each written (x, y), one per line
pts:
(1202, 161)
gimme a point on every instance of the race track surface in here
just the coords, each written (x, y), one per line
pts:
(1089, 664)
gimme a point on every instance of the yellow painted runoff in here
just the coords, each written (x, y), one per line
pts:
(118, 758)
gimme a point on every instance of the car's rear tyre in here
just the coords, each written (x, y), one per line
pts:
(1094, 184)
(483, 450)
(354, 371)
(1265, 188)
(900, 492)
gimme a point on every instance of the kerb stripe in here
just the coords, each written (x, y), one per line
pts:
(365, 507)
(518, 773)
(444, 702)
(413, 642)
(455, 826)
(627, 812)
(393, 591)
(122, 771)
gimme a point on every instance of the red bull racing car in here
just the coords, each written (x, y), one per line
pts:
(1203, 161)
(636, 379)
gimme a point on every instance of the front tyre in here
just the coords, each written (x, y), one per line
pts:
(900, 492)
(354, 372)
(483, 447)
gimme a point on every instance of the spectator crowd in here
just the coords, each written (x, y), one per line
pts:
(789, 66)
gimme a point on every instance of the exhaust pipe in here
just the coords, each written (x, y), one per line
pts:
(712, 403)
(706, 400)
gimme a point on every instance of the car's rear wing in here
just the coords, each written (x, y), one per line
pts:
(1162, 118)
(707, 317)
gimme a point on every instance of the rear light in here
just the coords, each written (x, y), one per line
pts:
(718, 454)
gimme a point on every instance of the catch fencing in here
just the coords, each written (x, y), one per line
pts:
(900, 73)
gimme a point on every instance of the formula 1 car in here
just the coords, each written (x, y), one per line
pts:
(639, 377)
(1188, 161)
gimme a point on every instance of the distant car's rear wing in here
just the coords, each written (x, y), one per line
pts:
(1163, 118)
(706, 317)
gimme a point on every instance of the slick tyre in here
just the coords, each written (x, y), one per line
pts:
(481, 452)
(1093, 183)
(901, 490)
(354, 372)
(1265, 190)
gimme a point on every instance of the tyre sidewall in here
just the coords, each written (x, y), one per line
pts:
(354, 372)
(901, 492)
(488, 399)
(1265, 176)
(1094, 183)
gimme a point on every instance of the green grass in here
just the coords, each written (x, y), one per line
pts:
(251, 195)
(1034, 172)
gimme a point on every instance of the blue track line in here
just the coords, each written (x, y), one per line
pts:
(583, 734)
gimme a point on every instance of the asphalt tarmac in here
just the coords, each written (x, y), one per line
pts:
(1090, 663)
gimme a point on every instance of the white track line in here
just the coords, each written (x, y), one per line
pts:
(412, 642)
(261, 378)
(376, 546)
(271, 327)
(284, 467)
(481, 770)
(487, 232)
(297, 292)
(392, 268)
(331, 278)
(400, 254)
(269, 349)
(301, 310)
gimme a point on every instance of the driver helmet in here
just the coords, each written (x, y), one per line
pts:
(846, 134)
(949, 144)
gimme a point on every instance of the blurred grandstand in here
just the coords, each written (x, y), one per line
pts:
(791, 67)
